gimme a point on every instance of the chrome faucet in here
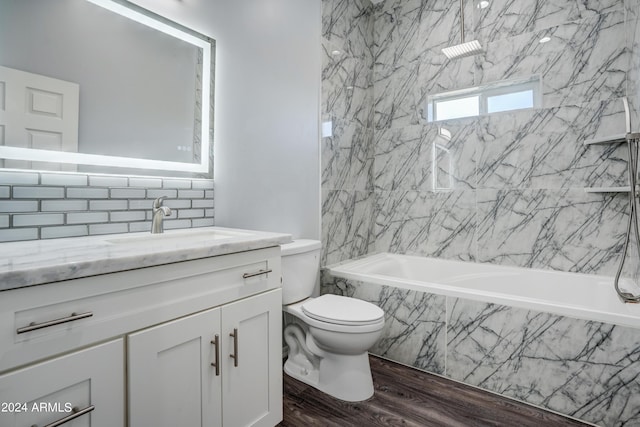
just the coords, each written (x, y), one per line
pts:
(159, 212)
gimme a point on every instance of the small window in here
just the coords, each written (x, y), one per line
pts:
(458, 107)
(487, 99)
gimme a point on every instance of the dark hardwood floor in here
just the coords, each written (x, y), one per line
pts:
(408, 397)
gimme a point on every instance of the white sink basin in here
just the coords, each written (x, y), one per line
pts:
(177, 236)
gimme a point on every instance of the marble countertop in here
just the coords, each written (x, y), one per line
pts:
(38, 262)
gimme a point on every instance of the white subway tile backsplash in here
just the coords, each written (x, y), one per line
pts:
(127, 193)
(136, 227)
(70, 204)
(176, 183)
(22, 220)
(108, 228)
(108, 205)
(202, 184)
(38, 192)
(125, 216)
(87, 193)
(140, 204)
(145, 182)
(204, 203)
(178, 203)
(87, 217)
(177, 223)
(191, 213)
(18, 206)
(107, 181)
(63, 179)
(17, 234)
(202, 222)
(63, 205)
(64, 231)
(190, 194)
(18, 178)
(154, 194)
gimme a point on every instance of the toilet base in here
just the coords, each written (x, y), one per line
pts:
(346, 377)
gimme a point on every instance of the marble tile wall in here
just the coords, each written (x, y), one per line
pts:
(347, 116)
(587, 370)
(504, 188)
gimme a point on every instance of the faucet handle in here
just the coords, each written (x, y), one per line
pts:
(158, 202)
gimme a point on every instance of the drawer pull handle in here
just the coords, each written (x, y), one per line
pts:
(216, 364)
(35, 326)
(257, 273)
(76, 413)
(234, 356)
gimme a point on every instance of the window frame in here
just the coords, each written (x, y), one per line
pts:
(484, 92)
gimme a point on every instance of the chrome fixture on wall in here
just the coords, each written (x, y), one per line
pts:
(463, 49)
(633, 141)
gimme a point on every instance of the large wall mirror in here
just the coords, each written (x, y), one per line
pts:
(103, 86)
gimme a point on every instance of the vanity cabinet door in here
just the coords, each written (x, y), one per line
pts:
(179, 377)
(252, 387)
(172, 381)
(85, 387)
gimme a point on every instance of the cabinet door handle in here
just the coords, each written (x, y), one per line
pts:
(234, 356)
(257, 273)
(35, 326)
(216, 364)
(76, 413)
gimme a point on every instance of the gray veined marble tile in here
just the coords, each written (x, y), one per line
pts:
(395, 88)
(396, 32)
(426, 223)
(349, 24)
(543, 148)
(508, 18)
(426, 158)
(346, 88)
(585, 369)
(347, 157)
(632, 31)
(346, 224)
(414, 330)
(584, 60)
(566, 230)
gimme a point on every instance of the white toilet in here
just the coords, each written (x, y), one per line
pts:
(328, 344)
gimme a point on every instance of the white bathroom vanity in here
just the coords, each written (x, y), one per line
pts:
(182, 328)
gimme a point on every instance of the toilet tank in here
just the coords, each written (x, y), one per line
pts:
(300, 269)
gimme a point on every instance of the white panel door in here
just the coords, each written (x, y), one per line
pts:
(38, 112)
(90, 380)
(171, 378)
(252, 390)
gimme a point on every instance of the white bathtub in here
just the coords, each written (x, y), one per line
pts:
(582, 296)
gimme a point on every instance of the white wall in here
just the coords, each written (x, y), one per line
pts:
(266, 171)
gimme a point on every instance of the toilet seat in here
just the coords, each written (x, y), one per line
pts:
(341, 310)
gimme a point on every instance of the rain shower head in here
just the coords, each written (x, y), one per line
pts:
(463, 49)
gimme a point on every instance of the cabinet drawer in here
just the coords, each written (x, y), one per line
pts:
(45, 320)
(90, 380)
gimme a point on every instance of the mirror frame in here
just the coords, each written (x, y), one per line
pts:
(171, 28)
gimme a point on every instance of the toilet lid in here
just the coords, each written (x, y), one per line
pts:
(342, 310)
